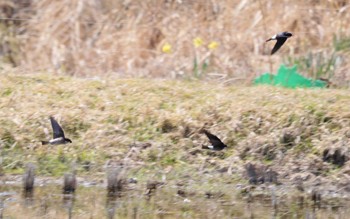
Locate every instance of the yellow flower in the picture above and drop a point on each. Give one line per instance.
(197, 42)
(166, 48)
(213, 45)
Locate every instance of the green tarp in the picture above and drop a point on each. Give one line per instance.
(288, 77)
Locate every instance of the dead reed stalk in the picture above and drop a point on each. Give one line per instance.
(115, 180)
(69, 183)
(125, 38)
(28, 178)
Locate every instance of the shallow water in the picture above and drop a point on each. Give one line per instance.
(92, 202)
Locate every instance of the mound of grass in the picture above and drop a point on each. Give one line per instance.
(153, 125)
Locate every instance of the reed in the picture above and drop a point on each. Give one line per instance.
(127, 38)
(115, 180)
(69, 183)
(29, 178)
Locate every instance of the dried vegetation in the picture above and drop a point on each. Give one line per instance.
(152, 127)
(125, 38)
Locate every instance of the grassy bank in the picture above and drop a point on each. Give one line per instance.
(153, 126)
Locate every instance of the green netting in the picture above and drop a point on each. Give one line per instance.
(288, 77)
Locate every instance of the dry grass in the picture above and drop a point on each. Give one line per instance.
(124, 38)
(104, 118)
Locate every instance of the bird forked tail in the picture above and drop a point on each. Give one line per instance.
(205, 147)
(44, 142)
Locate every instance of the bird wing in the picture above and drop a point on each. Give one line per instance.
(279, 43)
(57, 130)
(214, 140)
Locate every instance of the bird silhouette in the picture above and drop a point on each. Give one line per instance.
(216, 143)
(58, 134)
(281, 39)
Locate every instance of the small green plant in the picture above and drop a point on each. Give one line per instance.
(341, 43)
(322, 63)
(201, 62)
(51, 165)
(152, 155)
(6, 92)
(315, 64)
(198, 71)
(8, 139)
(169, 159)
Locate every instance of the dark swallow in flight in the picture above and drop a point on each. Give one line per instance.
(216, 143)
(281, 38)
(58, 134)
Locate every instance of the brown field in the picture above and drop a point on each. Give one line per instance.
(125, 38)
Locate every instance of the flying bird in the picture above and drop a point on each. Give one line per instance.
(281, 38)
(216, 143)
(58, 134)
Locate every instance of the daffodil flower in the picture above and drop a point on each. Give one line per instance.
(166, 48)
(213, 45)
(197, 42)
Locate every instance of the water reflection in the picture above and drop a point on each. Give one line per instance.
(94, 202)
(68, 203)
(1, 207)
(111, 206)
(28, 197)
